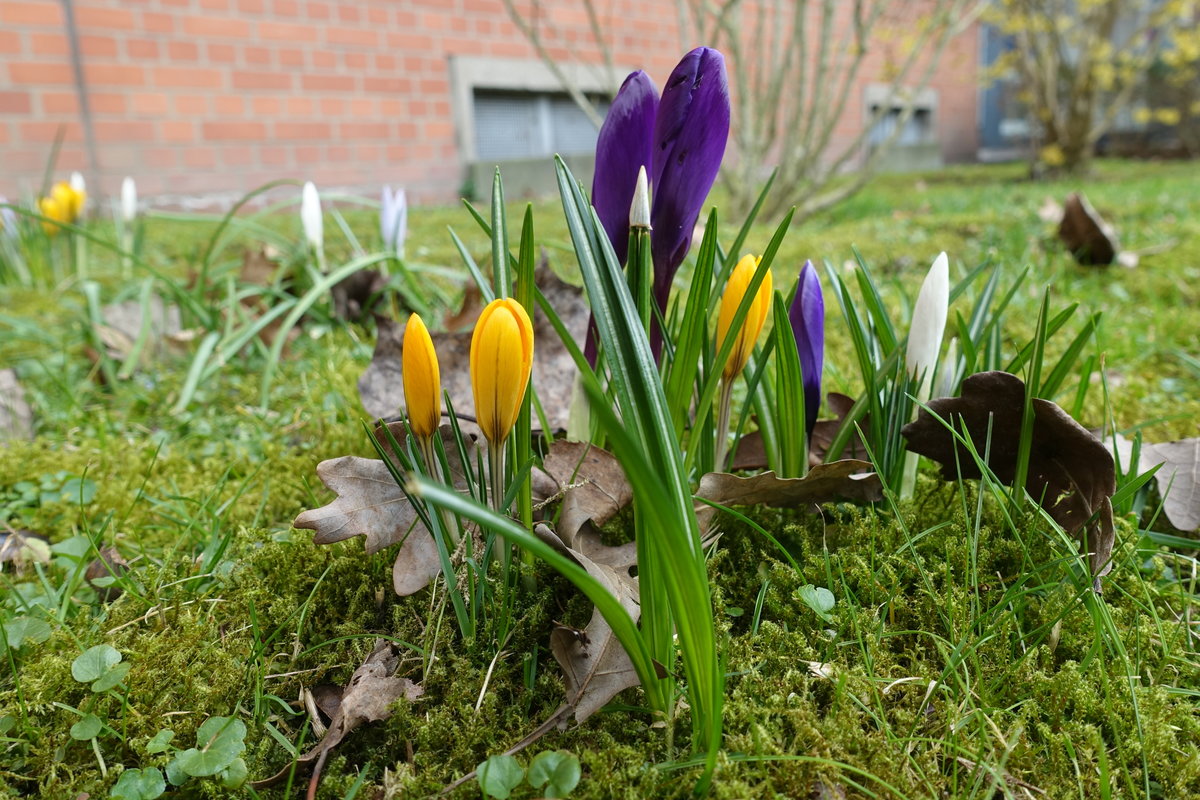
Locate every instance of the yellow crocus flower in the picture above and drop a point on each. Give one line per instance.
(422, 380)
(756, 316)
(501, 361)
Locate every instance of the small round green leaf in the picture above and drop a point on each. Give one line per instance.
(235, 774)
(160, 741)
(499, 775)
(87, 728)
(26, 629)
(94, 662)
(139, 784)
(558, 770)
(819, 599)
(111, 678)
(219, 740)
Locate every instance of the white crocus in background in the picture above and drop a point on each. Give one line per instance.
(924, 345)
(78, 183)
(393, 219)
(8, 219)
(129, 200)
(310, 216)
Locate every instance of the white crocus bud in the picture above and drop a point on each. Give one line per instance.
(129, 200)
(310, 216)
(639, 211)
(78, 183)
(928, 325)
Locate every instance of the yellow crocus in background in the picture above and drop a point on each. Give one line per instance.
(422, 379)
(756, 316)
(501, 362)
(63, 205)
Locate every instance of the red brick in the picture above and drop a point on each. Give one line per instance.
(141, 48)
(26, 72)
(114, 75)
(5, 136)
(348, 13)
(290, 57)
(15, 103)
(105, 46)
(59, 103)
(260, 56)
(362, 107)
(364, 130)
(108, 103)
(201, 157)
(302, 130)
(355, 60)
(286, 8)
(159, 157)
(308, 155)
(323, 59)
(300, 106)
(385, 62)
(222, 53)
(105, 18)
(191, 104)
(24, 13)
(183, 51)
(266, 106)
(150, 103)
(10, 43)
(154, 22)
(377, 15)
(123, 131)
(237, 156)
(262, 80)
(332, 106)
(319, 11)
(214, 5)
(241, 130)
(216, 27)
(178, 131)
(49, 44)
(355, 37)
(186, 76)
(387, 85)
(272, 155)
(327, 83)
(287, 32)
(46, 132)
(229, 105)
(337, 152)
(251, 6)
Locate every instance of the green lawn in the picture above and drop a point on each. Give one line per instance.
(963, 657)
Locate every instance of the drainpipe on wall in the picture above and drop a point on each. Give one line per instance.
(85, 108)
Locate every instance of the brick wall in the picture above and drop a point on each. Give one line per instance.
(204, 97)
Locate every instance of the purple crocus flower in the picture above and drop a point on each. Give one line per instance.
(681, 140)
(393, 219)
(807, 316)
(624, 146)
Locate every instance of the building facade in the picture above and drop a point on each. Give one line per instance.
(202, 100)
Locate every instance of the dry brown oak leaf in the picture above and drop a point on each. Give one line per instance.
(847, 479)
(371, 504)
(368, 697)
(1071, 474)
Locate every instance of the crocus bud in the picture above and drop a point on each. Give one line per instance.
(129, 201)
(807, 316)
(501, 361)
(422, 380)
(393, 219)
(756, 316)
(639, 210)
(310, 216)
(78, 189)
(928, 325)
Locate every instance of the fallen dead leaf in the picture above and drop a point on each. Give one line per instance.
(21, 548)
(1178, 479)
(369, 503)
(16, 417)
(368, 697)
(110, 564)
(848, 479)
(356, 295)
(592, 484)
(1090, 239)
(826, 430)
(1070, 472)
